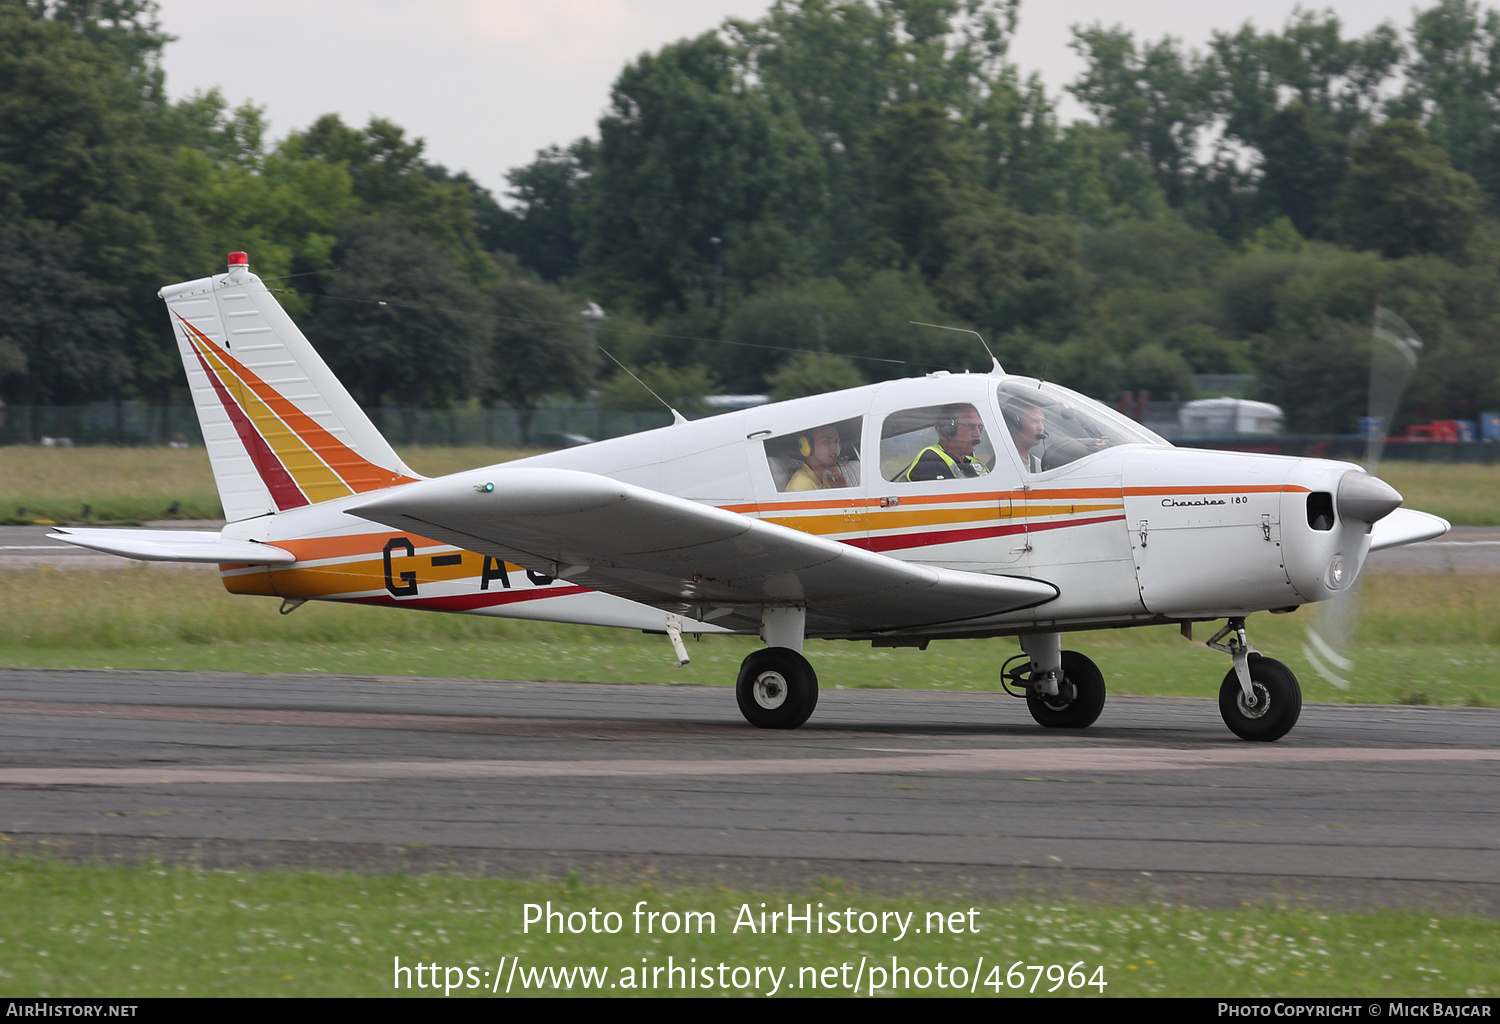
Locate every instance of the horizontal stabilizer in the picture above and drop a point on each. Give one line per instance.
(1406, 526)
(687, 557)
(175, 546)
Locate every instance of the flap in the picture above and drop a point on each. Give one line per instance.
(685, 557)
(175, 546)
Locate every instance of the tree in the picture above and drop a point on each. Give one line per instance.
(536, 349)
(1153, 95)
(389, 176)
(810, 373)
(1403, 196)
(1297, 97)
(1453, 86)
(1012, 271)
(60, 341)
(690, 157)
(924, 175)
(682, 388)
(544, 230)
(400, 322)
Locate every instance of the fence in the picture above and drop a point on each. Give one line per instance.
(135, 423)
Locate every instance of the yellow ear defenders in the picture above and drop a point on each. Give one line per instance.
(804, 445)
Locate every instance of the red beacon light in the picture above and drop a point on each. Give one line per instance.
(238, 259)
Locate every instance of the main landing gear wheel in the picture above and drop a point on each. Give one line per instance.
(1278, 701)
(1080, 696)
(777, 688)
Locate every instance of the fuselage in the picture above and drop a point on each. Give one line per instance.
(1129, 529)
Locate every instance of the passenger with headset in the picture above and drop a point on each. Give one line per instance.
(959, 430)
(1027, 429)
(821, 464)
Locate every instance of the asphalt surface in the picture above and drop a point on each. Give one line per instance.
(888, 790)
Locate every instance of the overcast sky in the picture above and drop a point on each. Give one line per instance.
(489, 82)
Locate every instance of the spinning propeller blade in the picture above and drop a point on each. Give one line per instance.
(1393, 357)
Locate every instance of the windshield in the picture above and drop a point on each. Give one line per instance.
(1051, 426)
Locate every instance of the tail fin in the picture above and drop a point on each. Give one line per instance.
(281, 430)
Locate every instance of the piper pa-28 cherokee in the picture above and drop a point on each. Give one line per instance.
(947, 506)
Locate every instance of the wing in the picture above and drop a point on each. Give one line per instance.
(175, 546)
(685, 557)
(1406, 526)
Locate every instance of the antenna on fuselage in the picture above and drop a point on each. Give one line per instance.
(677, 417)
(964, 330)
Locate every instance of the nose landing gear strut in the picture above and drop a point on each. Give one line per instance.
(1260, 698)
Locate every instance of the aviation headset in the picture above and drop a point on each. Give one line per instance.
(804, 445)
(947, 421)
(1012, 412)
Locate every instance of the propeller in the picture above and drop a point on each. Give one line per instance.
(1393, 356)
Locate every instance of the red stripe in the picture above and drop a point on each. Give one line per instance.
(469, 602)
(918, 540)
(284, 490)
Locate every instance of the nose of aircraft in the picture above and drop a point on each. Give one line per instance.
(1366, 498)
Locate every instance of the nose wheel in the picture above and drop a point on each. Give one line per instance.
(1271, 708)
(777, 688)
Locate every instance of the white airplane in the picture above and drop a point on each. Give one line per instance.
(946, 506)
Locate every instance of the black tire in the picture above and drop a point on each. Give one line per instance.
(1278, 704)
(777, 688)
(1080, 697)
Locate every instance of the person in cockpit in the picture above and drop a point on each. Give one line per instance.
(959, 430)
(1027, 430)
(820, 450)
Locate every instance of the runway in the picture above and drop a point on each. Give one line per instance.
(890, 790)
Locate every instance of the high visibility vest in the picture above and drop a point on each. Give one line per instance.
(973, 466)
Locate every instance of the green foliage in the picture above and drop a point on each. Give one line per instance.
(682, 389)
(1010, 271)
(1162, 372)
(537, 348)
(812, 373)
(545, 228)
(807, 182)
(1403, 196)
(689, 159)
(400, 321)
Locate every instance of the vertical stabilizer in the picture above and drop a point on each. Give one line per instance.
(281, 430)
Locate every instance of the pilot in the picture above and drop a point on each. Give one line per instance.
(820, 469)
(1027, 430)
(959, 429)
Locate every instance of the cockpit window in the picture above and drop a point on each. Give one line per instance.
(935, 442)
(818, 458)
(1051, 426)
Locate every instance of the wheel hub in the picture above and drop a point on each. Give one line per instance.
(1262, 701)
(770, 690)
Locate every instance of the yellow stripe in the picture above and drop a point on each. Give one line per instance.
(361, 576)
(308, 471)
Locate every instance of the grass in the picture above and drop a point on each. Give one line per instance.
(1463, 494)
(151, 931)
(138, 484)
(1423, 639)
(52, 485)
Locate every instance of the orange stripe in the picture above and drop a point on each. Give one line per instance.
(1225, 489)
(315, 479)
(359, 473)
(363, 576)
(368, 544)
